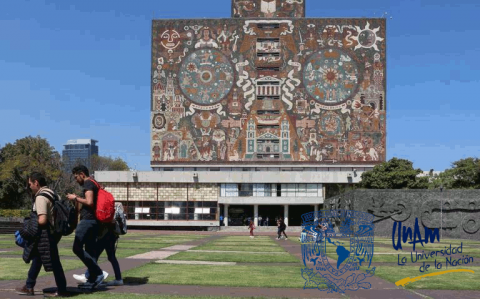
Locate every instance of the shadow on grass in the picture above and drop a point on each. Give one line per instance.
(133, 281)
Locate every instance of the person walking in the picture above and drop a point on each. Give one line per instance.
(281, 229)
(107, 241)
(251, 227)
(88, 228)
(43, 251)
(266, 221)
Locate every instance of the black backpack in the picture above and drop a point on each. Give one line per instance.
(64, 215)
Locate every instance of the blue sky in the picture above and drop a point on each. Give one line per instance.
(81, 69)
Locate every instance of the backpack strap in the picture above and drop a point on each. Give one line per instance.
(96, 183)
(49, 196)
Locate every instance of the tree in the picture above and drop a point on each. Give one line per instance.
(21, 158)
(464, 174)
(99, 163)
(394, 174)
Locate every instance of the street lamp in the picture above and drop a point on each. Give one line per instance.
(441, 210)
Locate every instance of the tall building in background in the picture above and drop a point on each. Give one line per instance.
(79, 151)
(254, 115)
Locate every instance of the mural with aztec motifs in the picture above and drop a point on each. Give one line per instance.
(268, 90)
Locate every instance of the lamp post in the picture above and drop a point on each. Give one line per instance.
(441, 210)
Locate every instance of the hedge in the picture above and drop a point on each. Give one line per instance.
(14, 213)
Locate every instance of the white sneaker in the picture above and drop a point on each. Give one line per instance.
(286, 238)
(80, 278)
(115, 283)
(83, 279)
(277, 238)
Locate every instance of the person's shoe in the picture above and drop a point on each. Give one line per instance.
(98, 281)
(80, 278)
(286, 238)
(25, 291)
(115, 283)
(277, 238)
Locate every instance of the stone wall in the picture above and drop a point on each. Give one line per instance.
(457, 212)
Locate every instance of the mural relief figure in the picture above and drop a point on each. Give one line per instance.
(206, 39)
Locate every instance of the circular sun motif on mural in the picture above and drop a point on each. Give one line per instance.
(206, 76)
(331, 76)
(158, 121)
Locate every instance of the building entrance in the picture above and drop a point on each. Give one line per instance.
(238, 215)
(295, 213)
(272, 212)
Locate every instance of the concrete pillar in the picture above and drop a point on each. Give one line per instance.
(285, 216)
(315, 209)
(255, 215)
(195, 215)
(225, 215)
(137, 205)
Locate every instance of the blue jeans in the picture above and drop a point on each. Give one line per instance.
(56, 265)
(86, 235)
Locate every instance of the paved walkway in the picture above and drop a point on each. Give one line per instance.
(380, 288)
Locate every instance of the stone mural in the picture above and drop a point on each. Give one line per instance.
(456, 212)
(268, 8)
(268, 90)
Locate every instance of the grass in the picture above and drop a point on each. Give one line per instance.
(105, 295)
(15, 268)
(231, 276)
(121, 253)
(449, 281)
(242, 244)
(234, 257)
(240, 248)
(150, 246)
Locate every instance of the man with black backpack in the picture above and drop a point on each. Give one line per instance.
(41, 240)
(88, 227)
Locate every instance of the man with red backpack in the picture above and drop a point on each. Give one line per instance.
(88, 228)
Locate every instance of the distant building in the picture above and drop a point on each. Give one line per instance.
(79, 150)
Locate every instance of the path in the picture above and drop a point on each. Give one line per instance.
(380, 288)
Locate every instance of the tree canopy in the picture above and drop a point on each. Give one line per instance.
(394, 174)
(99, 163)
(29, 154)
(21, 158)
(464, 174)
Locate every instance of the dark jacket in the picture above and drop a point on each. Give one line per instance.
(39, 241)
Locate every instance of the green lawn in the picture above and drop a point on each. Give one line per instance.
(234, 257)
(232, 276)
(15, 268)
(449, 281)
(240, 248)
(150, 246)
(105, 295)
(243, 244)
(121, 252)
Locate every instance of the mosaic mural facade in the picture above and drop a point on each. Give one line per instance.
(268, 90)
(268, 8)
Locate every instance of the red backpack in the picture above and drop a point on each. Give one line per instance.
(105, 210)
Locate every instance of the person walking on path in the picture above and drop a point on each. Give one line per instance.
(43, 251)
(87, 229)
(266, 221)
(251, 227)
(107, 241)
(281, 229)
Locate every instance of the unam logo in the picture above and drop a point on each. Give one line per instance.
(344, 235)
